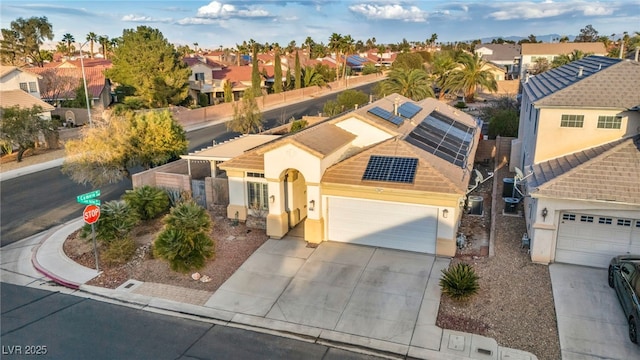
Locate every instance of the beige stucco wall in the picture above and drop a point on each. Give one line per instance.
(543, 232)
(554, 141)
(12, 81)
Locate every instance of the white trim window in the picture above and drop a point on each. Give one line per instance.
(574, 121)
(609, 122)
(258, 196)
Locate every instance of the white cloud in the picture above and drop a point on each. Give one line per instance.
(547, 9)
(196, 21)
(218, 10)
(390, 12)
(144, 19)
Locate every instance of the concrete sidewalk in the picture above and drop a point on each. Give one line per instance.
(365, 299)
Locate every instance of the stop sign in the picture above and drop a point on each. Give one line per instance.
(91, 214)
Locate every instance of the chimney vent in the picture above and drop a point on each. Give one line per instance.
(395, 106)
(580, 70)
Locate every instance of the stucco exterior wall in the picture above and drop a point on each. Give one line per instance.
(12, 81)
(367, 134)
(554, 141)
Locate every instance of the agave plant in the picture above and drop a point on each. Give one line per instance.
(459, 281)
(117, 219)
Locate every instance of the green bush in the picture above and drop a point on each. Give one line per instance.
(459, 281)
(119, 251)
(460, 105)
(298, 125)
(116, 221)
(147, 201)
(176, 196)
(184, 242)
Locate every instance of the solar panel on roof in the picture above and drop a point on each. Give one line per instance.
(386, 115)
(392, 169)
(444, 137)
(409, 110)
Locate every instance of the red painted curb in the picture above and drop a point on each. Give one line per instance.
(45, 272)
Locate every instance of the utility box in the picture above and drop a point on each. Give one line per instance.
(475, 205)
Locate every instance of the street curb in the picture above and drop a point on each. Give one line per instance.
(48, 274)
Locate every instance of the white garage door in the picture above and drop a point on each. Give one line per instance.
(592, 240)
(383, 224)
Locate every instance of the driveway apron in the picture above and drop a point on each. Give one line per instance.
(360, 290)
(591, 323)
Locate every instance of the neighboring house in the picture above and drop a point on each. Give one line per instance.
(12, 77)
(9, 98)
(60, 83)
(578, 150)
(394, 174)
(240, 79)
(201, 80)
(530, 52)
(505, 55)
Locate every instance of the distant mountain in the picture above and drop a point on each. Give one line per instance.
(544, 38)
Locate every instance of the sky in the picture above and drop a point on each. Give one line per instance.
(212, 24)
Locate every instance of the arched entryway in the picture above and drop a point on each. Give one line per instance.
(288, 203)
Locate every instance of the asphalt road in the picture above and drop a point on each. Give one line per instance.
(36, 202)
(39, 324)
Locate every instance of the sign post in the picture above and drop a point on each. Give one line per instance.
(91, 214)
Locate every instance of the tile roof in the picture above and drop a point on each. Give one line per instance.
(9, 98)
(5, 70)
(231, 148)
(52, 78)
(501, 52)
(601, 78)
(596, 48)
(608, 172)
(427, 178)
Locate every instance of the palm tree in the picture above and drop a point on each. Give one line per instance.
(440, 68)
(68, 39)
(312, 77)
(411, 83)
(567, 58)
(308, 42)
(103, 40)
(335, 45)
(470, 76)
(91, 38)
(348, 47)
(433, 39)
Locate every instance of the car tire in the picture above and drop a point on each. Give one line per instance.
(633, 330)
(610, 277)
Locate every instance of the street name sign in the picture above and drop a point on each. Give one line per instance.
(89, 198)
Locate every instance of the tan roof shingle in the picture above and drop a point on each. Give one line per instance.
(609, 172)
(9, 98)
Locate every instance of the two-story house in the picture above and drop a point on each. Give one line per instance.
(12, 78)
(578, 156)
(202, 81)
(530, 52)
(505, 55)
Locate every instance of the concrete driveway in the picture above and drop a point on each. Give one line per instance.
(362, 291)
(591, 323)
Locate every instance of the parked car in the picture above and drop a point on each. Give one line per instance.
(624, 277)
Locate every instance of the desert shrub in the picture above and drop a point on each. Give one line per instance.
(298, 125)
(176, 196)
(184, 242)
(119, 251)
(147, 201)
(459, 281)
(460, 105)
(116, 221)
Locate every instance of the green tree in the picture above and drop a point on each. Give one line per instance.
(80, 99)
(103, 40)
(335, 46)
(502, 117)
(348, 47)
(297, 73)
(156, 138)
(470, 76)
(22, 40)
(411, 83)
(564, 59)
(91, 38)
(277, 71)
(587, 34)
(185, 242)
(107, 150)
(256, 81)
(68, 40)
(22, 126)
(146, 61)
(346, 100)
(247, 117)
(228, 91)
(312, 77)
(408, 61)
(147, 201)
(298, 125)
(370, 68)
(539, 66)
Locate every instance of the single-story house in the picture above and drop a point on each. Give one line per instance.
(394, 173)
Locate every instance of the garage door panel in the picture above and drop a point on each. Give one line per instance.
(383, 224)
(594, 243)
